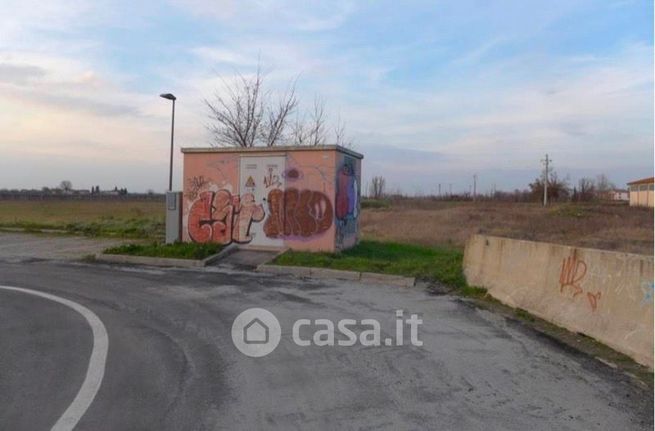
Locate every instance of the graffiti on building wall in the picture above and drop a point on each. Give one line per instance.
(195, 185)
(294, 212)
(647, 288)
(347, 203)
(272, 179)
(292, 174)
(280, 198)
(571, 277)
(223, 218)
(219, 216)
(347, 191)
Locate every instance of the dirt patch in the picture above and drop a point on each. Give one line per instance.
(596, 225)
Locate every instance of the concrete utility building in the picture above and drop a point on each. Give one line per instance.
(303, 198)
(641, 192)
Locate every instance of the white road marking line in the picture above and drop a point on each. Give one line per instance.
(96, 370)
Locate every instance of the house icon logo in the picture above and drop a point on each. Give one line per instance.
(256, 332)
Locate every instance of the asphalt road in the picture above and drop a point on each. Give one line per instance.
(20, 246)
(171, 363)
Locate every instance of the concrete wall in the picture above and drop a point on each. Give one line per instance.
(303, 198)
(605, 295)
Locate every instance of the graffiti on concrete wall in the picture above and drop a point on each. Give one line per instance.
(272, 179)
(294, 212)
(571, 277)
(223, 218)
(195, 185)
(347, 203)
(292, 174)
(647, 288)
(265, 200)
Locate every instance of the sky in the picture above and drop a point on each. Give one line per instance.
(431, 92)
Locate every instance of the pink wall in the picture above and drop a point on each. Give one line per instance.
(310, 203)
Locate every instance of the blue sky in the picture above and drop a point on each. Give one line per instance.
(431, 92)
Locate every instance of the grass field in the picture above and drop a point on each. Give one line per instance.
(125, 219)
(415, 221)
(438, 223)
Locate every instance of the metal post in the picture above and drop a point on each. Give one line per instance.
(170, 171)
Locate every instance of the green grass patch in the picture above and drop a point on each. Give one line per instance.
(178, 250)
(572, 211)
(473, 292)
(428, 263)
(524, 315)
(375, 203)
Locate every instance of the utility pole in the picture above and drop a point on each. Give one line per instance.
(172, 98)
(475, 185)
(546, 163)
(439, 189)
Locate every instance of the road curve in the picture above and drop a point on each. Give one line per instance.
(172, 364)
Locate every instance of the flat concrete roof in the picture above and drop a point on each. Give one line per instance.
(275, 149)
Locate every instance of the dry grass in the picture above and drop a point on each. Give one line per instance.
(133, 219)
(57, 212)
(604, 226)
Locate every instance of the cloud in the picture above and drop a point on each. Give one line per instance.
(431, 92)
(309, 16)
(19, 74)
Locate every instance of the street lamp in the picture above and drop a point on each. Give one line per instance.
(169, 96)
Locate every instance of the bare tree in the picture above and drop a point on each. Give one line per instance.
(66, 186)
(586, 189)
(310, 131)
(377, 187)
(276, 116)
(604, 186)
(317, 134)
(558, 189)
(299, 132)
(244, 116)
(340, 137)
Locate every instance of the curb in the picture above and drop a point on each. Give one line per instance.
(364, 277)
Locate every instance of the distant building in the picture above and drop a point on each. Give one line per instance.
(617, 195)
(641, 192)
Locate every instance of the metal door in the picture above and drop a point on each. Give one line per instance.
(258, 176)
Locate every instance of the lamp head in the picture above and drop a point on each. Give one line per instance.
(168, 96)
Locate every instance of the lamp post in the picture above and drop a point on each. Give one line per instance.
(172, 98)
